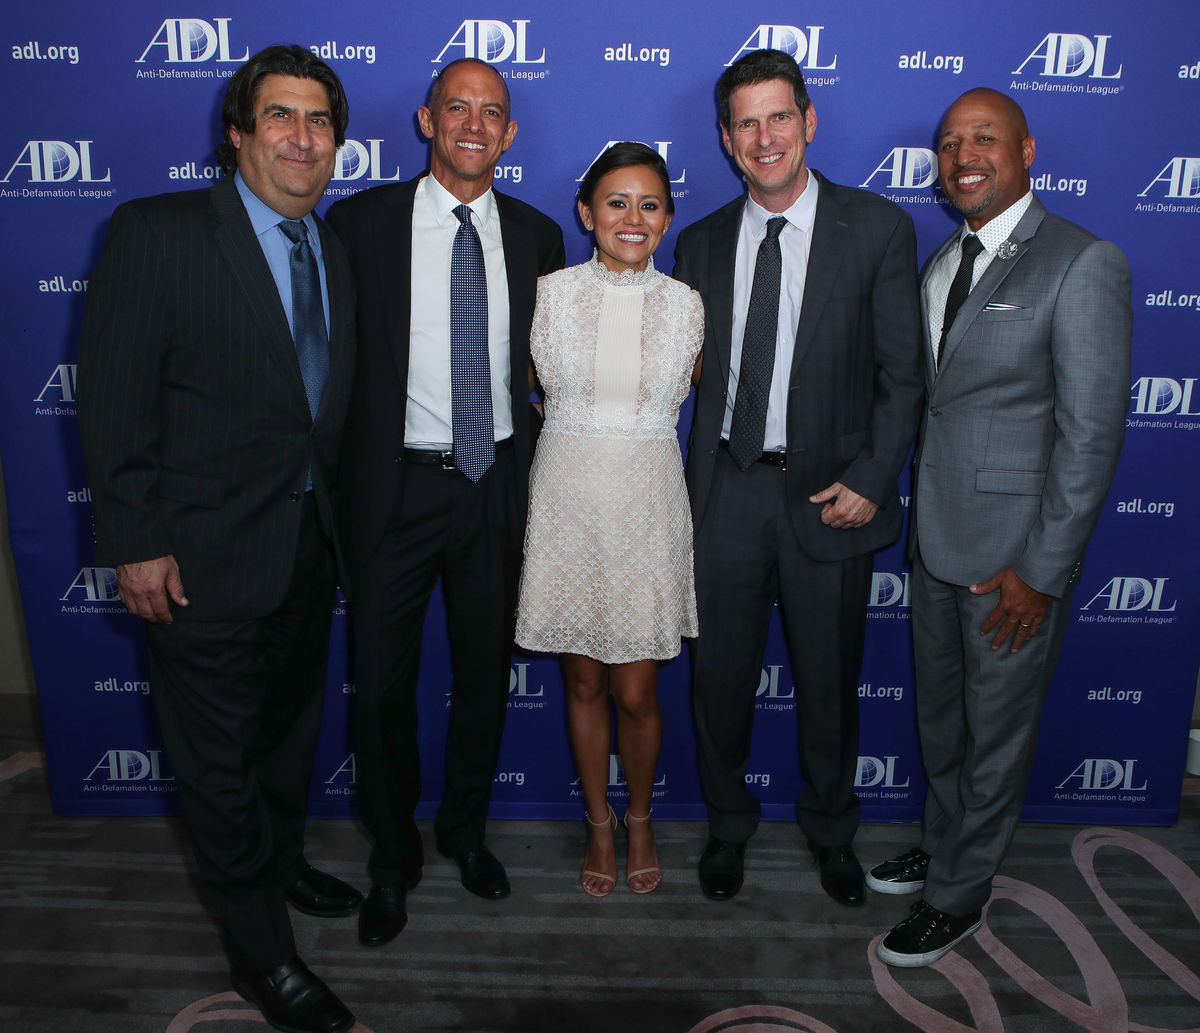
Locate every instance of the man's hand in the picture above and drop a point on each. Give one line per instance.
(148, 588)
(844, 508)
(1019, 612)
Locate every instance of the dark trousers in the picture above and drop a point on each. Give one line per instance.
(239, 705)
(469, 536)
(747, 557)
(978, 711)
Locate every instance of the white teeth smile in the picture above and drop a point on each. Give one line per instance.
(631, 238)
(969, 180)
(470, 146)
(768, 159)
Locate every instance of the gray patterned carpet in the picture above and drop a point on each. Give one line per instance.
(1092, 929)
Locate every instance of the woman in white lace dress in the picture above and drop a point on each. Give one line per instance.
(607, 579)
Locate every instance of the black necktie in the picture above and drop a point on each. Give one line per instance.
(960, 288)
(470, 370)
(758, 351)
(308, 314)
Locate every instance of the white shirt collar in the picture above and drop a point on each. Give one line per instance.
(996, 231)
(801, 214)
(444, 203)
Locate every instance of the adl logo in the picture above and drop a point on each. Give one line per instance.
(1067, 55)
(192, 40)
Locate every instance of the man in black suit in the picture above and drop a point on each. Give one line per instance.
(215, 367)
(438, 474)
(805, 411)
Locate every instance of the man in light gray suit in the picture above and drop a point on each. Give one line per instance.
(1027, 378)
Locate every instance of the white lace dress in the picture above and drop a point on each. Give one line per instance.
(608, 550)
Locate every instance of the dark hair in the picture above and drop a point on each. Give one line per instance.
(237, 110)
(761, 66)
(624, 156)
(435, 91)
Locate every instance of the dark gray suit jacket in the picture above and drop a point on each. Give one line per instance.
(855, 385)
(196, 429)
(1026, 416)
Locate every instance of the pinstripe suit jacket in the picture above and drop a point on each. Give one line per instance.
(855, 385)
(196, 429)
(1026, 416)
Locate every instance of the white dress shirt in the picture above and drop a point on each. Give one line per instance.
(991, 235)
(428, 421)
(794, 244)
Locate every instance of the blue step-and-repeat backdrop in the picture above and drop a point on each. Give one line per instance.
(108, 102)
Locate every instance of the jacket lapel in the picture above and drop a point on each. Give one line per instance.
(989, 282)
(341, 311)
(722, 255)
(241, 251)
(393, 255)
(830, 233)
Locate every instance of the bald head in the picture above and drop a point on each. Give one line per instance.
(1000, 101)
(984, 155)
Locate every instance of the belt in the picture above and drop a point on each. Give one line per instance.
(776, 459)
(443, 459)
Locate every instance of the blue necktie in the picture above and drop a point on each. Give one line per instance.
(308, 314)
(758, 351)
(470, 371)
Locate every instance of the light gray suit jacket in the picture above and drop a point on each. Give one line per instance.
(1024, 421)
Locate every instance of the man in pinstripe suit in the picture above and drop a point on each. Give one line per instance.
(211, 403)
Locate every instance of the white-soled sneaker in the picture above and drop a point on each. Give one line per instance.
(926, 935)
(903, 874)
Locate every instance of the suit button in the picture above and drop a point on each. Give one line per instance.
(294, 497)
(934, 412)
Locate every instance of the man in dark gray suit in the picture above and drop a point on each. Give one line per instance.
(805, 412)
(215, 367)
(1028, 326)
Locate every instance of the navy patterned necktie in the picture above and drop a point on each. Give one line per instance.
(960, 288)
(758, 351)
(308, 314)
(470, 371)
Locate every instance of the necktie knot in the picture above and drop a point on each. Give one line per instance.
(294, 230)
(775, 227)
(971, 245)
(463, 211)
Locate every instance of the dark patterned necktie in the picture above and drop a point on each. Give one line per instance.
(308, 314)
(960, 288)
(470, 371)
(758, 351)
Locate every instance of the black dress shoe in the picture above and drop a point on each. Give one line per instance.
(319, 894)
(721, 868)
(482, 874)
(841, 874)
(292, 999)
(382, 916)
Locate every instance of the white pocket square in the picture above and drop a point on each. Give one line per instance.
(1001, 306)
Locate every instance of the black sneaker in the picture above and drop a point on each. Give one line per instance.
(903, 874)
(926, 935)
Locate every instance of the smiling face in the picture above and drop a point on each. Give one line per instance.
(767, 137)
(469, 126)
(288, 159)
(984, 155)
(629, 216)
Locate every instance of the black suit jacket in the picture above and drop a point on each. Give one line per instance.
(196, 429)
(376, 227)
(856, 376)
